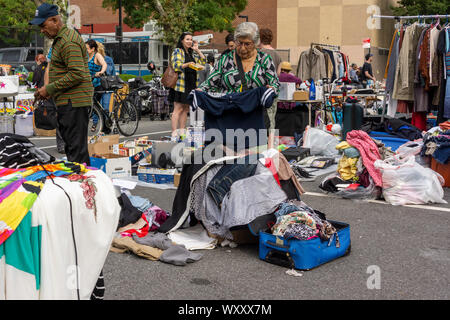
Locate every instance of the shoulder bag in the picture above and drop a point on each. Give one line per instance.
(244, 85)
(45, 115)
(170, 77)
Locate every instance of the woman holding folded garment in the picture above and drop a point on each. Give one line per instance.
(182, 61)
(258, 68)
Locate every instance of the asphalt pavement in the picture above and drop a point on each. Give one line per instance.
(397, 253)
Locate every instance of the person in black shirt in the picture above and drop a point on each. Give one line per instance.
(366, 71)
(39, 71)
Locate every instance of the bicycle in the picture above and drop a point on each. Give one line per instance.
(123, 117)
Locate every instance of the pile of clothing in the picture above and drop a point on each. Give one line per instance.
(356, 176)
(138, 233)
(436, 143)
(296, 220)
(233, 191)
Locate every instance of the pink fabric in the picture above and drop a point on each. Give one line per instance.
(369, 153)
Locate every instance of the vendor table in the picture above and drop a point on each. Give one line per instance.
(367, 97)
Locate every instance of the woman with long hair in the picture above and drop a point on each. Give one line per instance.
(182, 60)
(97, 67)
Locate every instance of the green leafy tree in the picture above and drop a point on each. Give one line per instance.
(173, 17)
(422, 7)
(14, 17)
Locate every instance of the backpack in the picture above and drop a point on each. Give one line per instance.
(110, 70)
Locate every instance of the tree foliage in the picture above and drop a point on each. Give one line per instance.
(174, 17)
(14, 17)
(422, 7)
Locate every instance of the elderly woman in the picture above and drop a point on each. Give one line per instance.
(258, 67)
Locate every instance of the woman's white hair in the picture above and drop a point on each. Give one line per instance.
(248, 30)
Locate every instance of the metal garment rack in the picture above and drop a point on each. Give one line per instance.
(436, 16)
(331, 46)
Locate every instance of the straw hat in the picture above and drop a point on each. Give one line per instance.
(285, 65)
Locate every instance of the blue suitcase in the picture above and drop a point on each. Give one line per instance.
(305, 254)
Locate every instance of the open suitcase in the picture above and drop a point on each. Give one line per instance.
(305, 254)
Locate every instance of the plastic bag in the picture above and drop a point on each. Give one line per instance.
(407, 182)
(413, 148)
(320, 142)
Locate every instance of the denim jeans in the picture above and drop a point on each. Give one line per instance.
(219, 186)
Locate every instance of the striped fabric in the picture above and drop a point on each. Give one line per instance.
(226, 78)
(19, 189)
(69, 73)
(177, 60)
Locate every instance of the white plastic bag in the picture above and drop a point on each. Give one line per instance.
(320, 142)
(9, 86)
(413, 148)
(407, 182)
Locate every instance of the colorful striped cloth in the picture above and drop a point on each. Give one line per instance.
(19, 189)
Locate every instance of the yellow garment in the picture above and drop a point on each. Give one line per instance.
(347, 168)
(343, 145)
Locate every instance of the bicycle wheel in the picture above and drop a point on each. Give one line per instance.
(96, 121)
(127, 117)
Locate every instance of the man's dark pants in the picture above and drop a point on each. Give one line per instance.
(73, 125)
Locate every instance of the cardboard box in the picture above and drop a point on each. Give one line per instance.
(156, 175)
(115, 166)
(176, 179)
(104, 145)
(287, 90)
(301, 95)
(443, 170)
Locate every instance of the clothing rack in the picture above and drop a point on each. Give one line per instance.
(412, 17)
(331, 46)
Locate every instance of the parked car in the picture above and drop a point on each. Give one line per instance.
(20, 56)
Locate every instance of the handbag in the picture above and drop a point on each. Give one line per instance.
(107, 82)
(45, 115)
(170, 77)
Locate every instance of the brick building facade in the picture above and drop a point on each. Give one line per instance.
(102, 20)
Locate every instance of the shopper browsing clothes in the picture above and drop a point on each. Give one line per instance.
(258, 72)
(354, 73)
(69, 84)
(287, 76)
(183, 61)
(266, 37)
(258, 66)
(366, 71)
